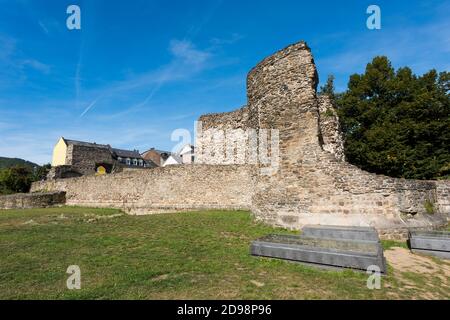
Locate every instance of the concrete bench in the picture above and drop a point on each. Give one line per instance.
(341, 232)
(436, 243)
(325, 252)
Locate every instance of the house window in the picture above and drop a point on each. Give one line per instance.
(135, 162)
(119, 159)
(141, 163)
(192, 159)
(128, 161)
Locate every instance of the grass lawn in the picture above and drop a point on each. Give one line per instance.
(197, 255)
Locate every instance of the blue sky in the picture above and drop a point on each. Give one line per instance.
(139, 69)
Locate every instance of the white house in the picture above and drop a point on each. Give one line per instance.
(187, 154)
(184, 156)
(173, 159)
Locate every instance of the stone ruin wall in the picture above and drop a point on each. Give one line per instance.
(187, 187)
(219, 137)
(32, 200)
(443, 196)
(330, 135)
(312, 184)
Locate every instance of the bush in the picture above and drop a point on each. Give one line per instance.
(40, 173)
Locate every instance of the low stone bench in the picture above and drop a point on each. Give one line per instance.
(436, 243)
(341, 232)
(355, 254)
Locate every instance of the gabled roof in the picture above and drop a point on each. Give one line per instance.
(187, 148)
(126, 153)
(86, 144)
(157, 151)
(115, 152)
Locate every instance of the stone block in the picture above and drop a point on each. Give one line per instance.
(341, 232)
(324, 252)
(435, 243)
(439, 254)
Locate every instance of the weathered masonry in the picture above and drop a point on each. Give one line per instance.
(32, 200)
(161, 189)
(312, 183)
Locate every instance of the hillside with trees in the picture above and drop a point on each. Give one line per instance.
(12, 162)
(16, 175)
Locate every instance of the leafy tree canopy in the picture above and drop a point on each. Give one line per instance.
(395, 122)
(19, 178)
(328, 87)
(15, 179)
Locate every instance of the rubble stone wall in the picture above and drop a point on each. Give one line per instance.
(160, 189)
(32, 200)
(331, 137)
(83, 159)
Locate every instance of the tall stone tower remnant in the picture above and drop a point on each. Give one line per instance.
(313, 183)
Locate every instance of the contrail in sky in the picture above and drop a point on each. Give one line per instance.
(89, 107)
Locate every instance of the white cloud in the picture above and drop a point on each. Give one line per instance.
(185, 51)
(13, 64)
(7, 48)
(187, 61)
(235, 37)
(37, 65)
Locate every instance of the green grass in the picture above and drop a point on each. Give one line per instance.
(196, 255)
(387, 244)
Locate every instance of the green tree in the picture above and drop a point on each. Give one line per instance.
(15, 179)
(328, 87)
(40, 173)
(397, 123)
